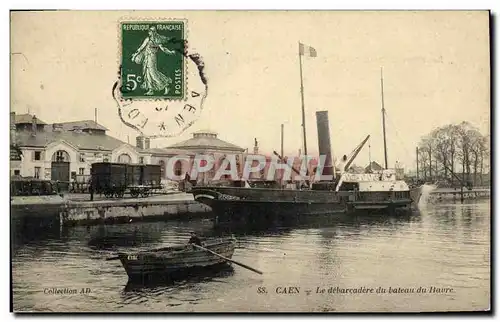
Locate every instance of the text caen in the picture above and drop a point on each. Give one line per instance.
(287, 290)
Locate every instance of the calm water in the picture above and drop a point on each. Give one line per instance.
(443, 246)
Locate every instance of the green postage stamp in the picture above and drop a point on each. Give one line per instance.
(153, 59)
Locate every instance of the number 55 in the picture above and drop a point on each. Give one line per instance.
(134, 79)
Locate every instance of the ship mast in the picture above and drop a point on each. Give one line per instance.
(303, 109)
(383, 116)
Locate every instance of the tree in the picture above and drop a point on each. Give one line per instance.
(469, 138)
(423, 158)
(441, 148)
(448, 145)
(475, 151)
(451, 131)
(445, 143)
(427, 146)
(483, 152)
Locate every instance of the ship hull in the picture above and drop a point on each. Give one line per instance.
(379, 206)
(248, 212)
(246, 206)
(415, 195)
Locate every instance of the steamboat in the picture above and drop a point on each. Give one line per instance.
(246, 202)
(262, 202)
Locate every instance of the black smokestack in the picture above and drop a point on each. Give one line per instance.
(324, 140)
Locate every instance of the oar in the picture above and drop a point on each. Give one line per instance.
(229, 260)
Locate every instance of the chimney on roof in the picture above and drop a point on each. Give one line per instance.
(143, 142)
(140, 142)
(33, 125)
(256, 147)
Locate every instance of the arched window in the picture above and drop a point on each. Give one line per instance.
(60, 156)
(162, 168)
(178, 168)
(124, 158)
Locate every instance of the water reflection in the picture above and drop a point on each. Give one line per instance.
(29, 235)
(139, 291)
(204, 275)
(442, 245)
(111, 237)
(353, 222)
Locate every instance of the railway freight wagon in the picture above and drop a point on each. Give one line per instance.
(115, 179)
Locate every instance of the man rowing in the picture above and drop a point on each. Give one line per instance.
(194, 239)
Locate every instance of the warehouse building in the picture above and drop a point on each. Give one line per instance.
(62, 151)
(66, 151)
(202, 142)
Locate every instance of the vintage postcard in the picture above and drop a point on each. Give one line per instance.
(250, 161)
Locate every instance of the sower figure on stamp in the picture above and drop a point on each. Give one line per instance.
(154, 80)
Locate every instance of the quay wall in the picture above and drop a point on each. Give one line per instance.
(447, 194)
(77, 211)
(88, 213)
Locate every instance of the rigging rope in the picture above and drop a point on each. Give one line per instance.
(397, 135)
(370, 152)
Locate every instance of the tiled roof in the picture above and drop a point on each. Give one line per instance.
(167, 151)
(87, 124)
(205, 142)
(68, 126)
(27, 118)
(82, 140)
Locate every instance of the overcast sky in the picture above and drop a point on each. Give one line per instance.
(436, 72)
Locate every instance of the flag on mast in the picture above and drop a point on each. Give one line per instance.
(305, 50)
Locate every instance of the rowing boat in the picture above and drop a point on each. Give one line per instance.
(176, 259)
